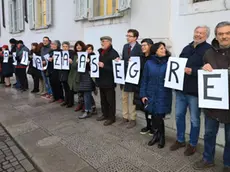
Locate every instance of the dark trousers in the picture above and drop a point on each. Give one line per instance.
(148, 121)
(36, 83)
(69, 95)
(56, 86)
(108, 102)
(22, 76)
(211, 130)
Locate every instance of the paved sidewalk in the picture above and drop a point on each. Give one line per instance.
(11, 157)
(57, 141)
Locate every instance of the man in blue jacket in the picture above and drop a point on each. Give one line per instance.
(188, 98)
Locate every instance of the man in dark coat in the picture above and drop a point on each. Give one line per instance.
(218, 57)
(132, 48)
(106, 81)
(194, 53)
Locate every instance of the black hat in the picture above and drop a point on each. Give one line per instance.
(20, 42)
(13, 41)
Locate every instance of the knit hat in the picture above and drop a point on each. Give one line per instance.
(57, 42)
(13, 41)
(106, 38)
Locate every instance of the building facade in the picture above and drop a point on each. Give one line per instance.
(170, 21)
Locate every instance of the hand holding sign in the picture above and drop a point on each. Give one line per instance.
(101, 64)
(207, 67)
(188, 71)
(70, 61)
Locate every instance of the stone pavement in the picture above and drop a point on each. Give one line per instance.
(11, 157)
(57, 141)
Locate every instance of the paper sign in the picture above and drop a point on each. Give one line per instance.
(65, 60)
(133, 71)
(57, 60)
(25, 58)
(6, 56)
(213, 89)
(14, 59)
(38, 62)
(118, 72)
(175, 73)
(94, 60)
(82, 59)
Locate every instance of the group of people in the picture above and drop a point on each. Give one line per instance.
(149, 95)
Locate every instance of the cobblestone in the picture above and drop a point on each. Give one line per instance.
(11, 157)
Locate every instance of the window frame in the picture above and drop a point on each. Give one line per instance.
(188, 7)
(3, 14)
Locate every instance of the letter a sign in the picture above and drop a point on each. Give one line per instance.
(213, 89)
(82, 59)
(175, 73)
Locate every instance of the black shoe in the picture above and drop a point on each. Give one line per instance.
(162, 135)
(34, 91)
(69, 106)
(145, 130)
(155, 138)
(101, 118)
(63, 104)
(109, 122)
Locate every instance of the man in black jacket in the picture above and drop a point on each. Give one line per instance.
(106, 81)
(132, 48)
(188, 98)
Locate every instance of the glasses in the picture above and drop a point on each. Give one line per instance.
(129, 36)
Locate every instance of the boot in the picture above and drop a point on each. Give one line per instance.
(41, 86)
(155, 138)
(162, 134)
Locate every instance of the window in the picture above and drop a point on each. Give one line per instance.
(188, 7)
(16, 16)
(40, 13)
(100, 9)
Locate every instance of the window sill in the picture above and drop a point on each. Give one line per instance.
(40, 28)
(79, 19)
(106, 17)
(16, 32)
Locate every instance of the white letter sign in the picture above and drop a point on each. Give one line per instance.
(25, 58)
(133, 71)
(38, 62)
(14, 58)
(6, 56)
(118, 72)
(213, 89)
(82, 59)
(175, 73)
(94, 60)
(65, 60)
(57, 60)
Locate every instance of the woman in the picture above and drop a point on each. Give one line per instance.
(89, 50)
(34, 72)
(63, 76)
(156, 98)
(42, 85)
(74, 76)
(7, 68)
(53, 74)
(146, 45)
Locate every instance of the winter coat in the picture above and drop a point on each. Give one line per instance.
(7, 68)
(63, 74)
(19, 54)
(219, 59)
(106, 79)
(86, 82)
(32, 70)
(152, 86)
(136, 51)
(74, 76)
(137, 99)
(195, 61)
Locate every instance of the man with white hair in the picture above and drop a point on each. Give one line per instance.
(188, 98)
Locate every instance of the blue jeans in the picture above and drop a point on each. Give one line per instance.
(88, 101)
(211, 130)
(183, 102)
(47, 83)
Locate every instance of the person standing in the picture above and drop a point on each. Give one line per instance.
(156, 97)
(105, 82)
(13, 44)
(188, 98)
(218, 57)
(132, 48)
(21, 69)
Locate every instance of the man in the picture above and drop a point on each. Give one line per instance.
(13, 44)
(218, 57)
(106, 81)
(44, 51)
(21, 69)
(188, 98)
(132, 48)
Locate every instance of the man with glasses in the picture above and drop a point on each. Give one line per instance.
(132, 48)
